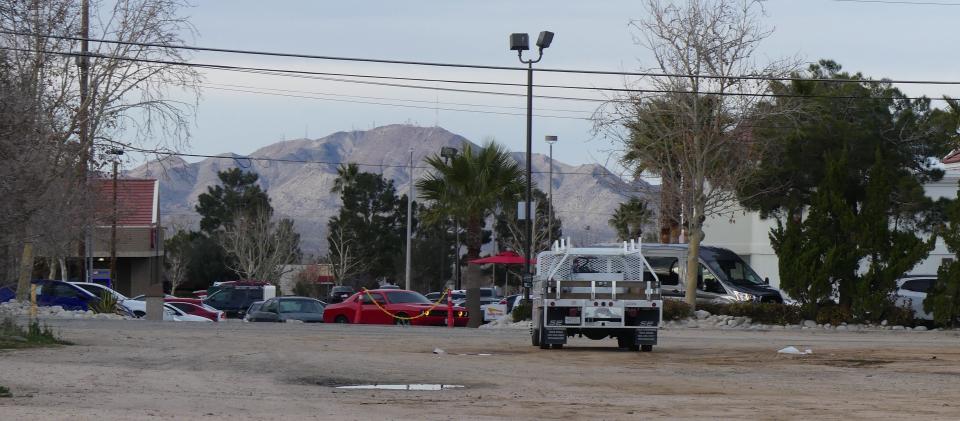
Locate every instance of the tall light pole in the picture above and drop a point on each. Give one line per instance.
(550, 140)
(520, 42)
(448, 153)
(409, 219)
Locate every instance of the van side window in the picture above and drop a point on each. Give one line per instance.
(667, 269)
(706, 281)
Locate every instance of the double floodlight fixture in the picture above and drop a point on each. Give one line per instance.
(448, 152)
(520, 42)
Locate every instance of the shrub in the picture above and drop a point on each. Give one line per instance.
(943, 300)
(521, 312)
(902, 316)
(766, 313)
(305, 288)
(13, 335)
(107, 304)
(676, 310)
(833, 314)
(5, 393)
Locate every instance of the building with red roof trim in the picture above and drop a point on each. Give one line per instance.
(139, 234)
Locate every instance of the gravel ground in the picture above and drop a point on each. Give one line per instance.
(151, 370)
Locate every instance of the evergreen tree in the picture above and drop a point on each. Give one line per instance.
(237, 192)
(943, 299)
(370, 228)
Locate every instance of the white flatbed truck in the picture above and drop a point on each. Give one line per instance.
(597, 292)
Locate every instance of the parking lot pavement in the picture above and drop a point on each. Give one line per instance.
(137, 369)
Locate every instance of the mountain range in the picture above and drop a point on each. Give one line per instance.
(584, 195)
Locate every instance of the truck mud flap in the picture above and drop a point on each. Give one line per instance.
(555, 336)
(645, 337)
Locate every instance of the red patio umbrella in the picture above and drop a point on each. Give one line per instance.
(508, 257)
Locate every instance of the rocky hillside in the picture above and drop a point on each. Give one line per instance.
(585, 195)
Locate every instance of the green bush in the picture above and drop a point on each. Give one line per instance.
(5, 393)
(676, 310)
(902, 316)
(833, 314)
(107, 304)
(12, 335)
(521, 312)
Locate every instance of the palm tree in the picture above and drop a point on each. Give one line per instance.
(630, 218)
(468, 188)
(346, 175)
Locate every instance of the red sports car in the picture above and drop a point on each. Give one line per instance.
(392, 306)
(196, 310)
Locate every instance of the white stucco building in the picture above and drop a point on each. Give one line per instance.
(749, 236)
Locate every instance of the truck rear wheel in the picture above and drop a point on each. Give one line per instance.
(626, 342)
(646, 348)
(535, 337)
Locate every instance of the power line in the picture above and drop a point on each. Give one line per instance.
(918, 3)
(422, 107)
(419, 101)
(303, 73)
(476, 66)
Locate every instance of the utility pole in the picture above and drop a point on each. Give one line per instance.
(83, 116)
(409, 219)
(113, 226)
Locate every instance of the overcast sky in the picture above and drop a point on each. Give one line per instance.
(899, 41)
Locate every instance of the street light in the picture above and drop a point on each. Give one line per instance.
(550, 140)
(520, 43)
(448, 153)
(409, 220)
(113, 226)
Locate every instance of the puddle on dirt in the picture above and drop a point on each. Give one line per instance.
(415, 386)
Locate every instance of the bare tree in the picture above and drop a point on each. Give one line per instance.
(691, 126)
(130, 87)
(343, 255)
(261, 247)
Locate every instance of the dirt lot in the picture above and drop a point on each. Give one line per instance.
(139, 370)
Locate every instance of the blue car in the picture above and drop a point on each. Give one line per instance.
(63, 294)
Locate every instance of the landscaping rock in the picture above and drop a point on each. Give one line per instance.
(920, 328)
(701, 314)
(898, 327)
(809, 323)
(883, 323)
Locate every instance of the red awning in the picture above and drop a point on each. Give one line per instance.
(504, 258)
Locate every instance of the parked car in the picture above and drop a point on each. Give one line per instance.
(511, 301)
(202, 311)
(63, 294)
(138, 304)
(375, 305)
(911, 291)
(235, 299)
(433, 296)
(340, 293)
(131, 306)
(171, 313)
(281, 309)
(254, 306)
(389, 286)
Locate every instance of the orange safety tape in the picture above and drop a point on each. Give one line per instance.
(422, 314)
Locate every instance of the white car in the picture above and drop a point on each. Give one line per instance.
(171, 313)
(911, 291)
(134, 307)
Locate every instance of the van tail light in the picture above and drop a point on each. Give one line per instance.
(573, 312)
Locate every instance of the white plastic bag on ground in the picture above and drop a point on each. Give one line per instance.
(790, 350)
